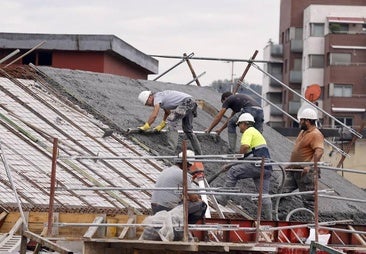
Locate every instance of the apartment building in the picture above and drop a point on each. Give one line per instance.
(323, 44)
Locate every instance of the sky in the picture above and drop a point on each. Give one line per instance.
(230, 29)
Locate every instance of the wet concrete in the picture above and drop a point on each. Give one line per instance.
(113, 99)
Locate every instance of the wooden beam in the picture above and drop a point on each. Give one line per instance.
(46, 243)
(92, 230)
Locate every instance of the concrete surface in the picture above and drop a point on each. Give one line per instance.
(114, 100)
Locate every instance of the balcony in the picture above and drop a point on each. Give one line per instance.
(277, 50)
(295, 76)
(293, 107)
(296, 46)
(273, 82)
(275, 111)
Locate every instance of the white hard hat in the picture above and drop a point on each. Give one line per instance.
(307, 113)
(143, 96)
(245, 117)
(189, 153)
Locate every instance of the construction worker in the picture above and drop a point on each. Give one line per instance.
(252, 143)
(238, 103)
(177, 106)
(172, 177)
(309, 147)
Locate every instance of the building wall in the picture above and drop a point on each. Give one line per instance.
(296, 15)
(89, 61)
(114, 66)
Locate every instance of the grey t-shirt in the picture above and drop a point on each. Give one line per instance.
(170, 99)
(169, 177)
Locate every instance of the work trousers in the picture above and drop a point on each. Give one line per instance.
(257, 113)
(303, 182)
(248, 170)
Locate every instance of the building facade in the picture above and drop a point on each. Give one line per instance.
(321, 43)
(96, 53)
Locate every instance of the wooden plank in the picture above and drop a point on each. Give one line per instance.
(46, 243)
(125, 229)
(357, 236)
(92, 230)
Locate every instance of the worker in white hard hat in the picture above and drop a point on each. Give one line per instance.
(177, 106)
(309, 147)
(172, 177)
(238, 103)
(252, 143)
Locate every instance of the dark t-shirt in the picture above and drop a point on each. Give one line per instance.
(238, 101)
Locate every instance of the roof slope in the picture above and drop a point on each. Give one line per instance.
(49, 106)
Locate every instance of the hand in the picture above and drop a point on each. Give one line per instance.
(305, 170)
(160, 126)
(145, 127)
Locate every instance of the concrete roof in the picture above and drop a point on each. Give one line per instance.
(80, 42)
(77, 106)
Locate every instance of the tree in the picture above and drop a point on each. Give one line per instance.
(222, 86)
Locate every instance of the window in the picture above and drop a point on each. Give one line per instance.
(45, 58)
(342, 90)
(298, 33)
(338, 27)
(317, 29)
(345, 120)
(339, 58)
(316, 61)
(298, 64)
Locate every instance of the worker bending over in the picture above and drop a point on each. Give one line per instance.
(238, 103)
(177, 106)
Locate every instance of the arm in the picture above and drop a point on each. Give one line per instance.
(244, 149)
(318, 153)
(166, 114)
(154, 114)
(216, 120)
(225, 124)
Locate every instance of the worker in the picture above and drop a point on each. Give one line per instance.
(308, 147)
(238, 103)
(177, 106)
(252, 144)
(168, 199)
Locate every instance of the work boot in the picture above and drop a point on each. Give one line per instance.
(195, 143)
(267, 211)
(172, 136)
(232, 142)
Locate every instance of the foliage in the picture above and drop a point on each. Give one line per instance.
(222, 86)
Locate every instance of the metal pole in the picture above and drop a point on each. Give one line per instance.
(7, 168)
(9, 56)
(309, 102)
(26, 53)
(250, 62)
(185, 193)
(259, 211)
(316, 201)
(203, 73)
(293, 118)
(219, 59)
(192, 70)
(180, 62)
(52, 188)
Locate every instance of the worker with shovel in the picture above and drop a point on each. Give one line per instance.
(252, 144)
(238, 103)
(177, 106)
